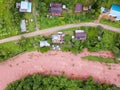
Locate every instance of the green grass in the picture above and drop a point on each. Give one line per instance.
(111, 23)
(101, 59)
(10, 18)
(45, 22)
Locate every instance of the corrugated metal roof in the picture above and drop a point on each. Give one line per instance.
(115, 7)
(23, 26)
(78, 7)
(24, 5)
(115, 10)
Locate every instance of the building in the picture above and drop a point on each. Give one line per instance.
(23, 26)
(24, 6)
(56, 9)
(104, 10)
(78, 8)
(115, 11)
(80, 35)
(44, 44)
(58, 38)
(85, 8)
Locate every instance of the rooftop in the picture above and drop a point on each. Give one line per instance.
(80, 35)
(56, 9)
(25, 6)
(78, 7)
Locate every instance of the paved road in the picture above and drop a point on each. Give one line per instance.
(54, 29)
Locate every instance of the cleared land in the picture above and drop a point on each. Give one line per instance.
(56, 63)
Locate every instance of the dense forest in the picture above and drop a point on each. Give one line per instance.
(42, 82)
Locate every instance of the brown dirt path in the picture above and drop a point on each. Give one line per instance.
(57, 62)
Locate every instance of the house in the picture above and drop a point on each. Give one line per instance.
(23, 26)
(56, 9)
(85, 8)
(104, 10)
(44, 44)
(58, 38)
(24, 6)
(78, 8)
(115, 11)
(80, 35)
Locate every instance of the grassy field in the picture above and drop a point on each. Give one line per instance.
(111, 23)
(100, 59)
(66, 18)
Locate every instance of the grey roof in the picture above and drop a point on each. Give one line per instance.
(44, 44)
(23, 26)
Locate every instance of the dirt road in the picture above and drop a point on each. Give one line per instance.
(54, 29)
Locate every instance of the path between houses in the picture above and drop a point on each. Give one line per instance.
(54, 29)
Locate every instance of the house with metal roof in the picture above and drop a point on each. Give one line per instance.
(115, 11)
(80, 35)
(44, 44)
(78, 8)
(24, 6)
(58, 38)
(104, 10)
(23, 26)
(56, 9)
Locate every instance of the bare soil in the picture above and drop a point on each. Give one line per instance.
(58, 62)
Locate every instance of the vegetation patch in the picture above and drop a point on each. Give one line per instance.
(41, 82)
(101, 59)
(110, 23)
(13, 48)
(10, 18)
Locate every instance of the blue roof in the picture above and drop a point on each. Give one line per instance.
(115, 7)
(103, 9)
(115, 10)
